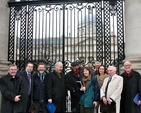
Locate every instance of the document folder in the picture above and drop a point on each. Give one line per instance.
(50, 107)
(136, 99)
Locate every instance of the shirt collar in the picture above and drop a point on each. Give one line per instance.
(113, 76)
(28, 73)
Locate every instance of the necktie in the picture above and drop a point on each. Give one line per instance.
(110, 78)
(42, 77)
(29, 85)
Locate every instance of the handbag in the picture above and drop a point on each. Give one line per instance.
(107, 108)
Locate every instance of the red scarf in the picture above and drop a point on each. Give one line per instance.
(128, 74)
(76, 72)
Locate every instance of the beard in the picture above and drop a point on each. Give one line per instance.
(128, 70)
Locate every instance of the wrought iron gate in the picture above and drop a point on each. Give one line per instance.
(52, 31)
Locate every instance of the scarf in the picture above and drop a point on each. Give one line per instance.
(86, 80)
(76, 72)
(128, 74)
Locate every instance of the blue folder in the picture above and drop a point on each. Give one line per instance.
(50, 107)
(136, 99)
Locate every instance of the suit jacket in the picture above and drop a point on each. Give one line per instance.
(56, 90)
(23, 74)
(39, 89)
(114, 90)
(11, 87)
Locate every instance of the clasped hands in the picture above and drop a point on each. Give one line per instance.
(105, 101)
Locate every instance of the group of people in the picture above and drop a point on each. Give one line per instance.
(103, 89)
(88, 89)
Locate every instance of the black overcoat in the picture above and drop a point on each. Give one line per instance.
(23, 74)
(71, 84)
(56, 91)
(11, 87)
(131, 86)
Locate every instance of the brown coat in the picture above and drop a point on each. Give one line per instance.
(100, 79)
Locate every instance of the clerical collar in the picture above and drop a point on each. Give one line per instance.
(12, 77)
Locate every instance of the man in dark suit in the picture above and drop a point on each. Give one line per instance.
(56, 91)
(12, 91)
(27, 78)
(39, 92)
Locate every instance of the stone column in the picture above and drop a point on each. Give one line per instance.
(4, 25)
(133, 33)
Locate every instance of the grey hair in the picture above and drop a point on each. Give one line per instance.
(12, 65)
(58, 64)
(97, 62)
(113, 67)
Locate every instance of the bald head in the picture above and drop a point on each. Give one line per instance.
(127, 62)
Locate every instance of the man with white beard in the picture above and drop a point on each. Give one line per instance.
(131, 86)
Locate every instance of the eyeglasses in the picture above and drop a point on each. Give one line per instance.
(127, 65)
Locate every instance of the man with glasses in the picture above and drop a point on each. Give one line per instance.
(131, 87)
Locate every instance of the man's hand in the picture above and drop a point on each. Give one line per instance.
(50, 100)
(109, 102)
(104, 100)
(139, 102)
(17, 98)
(83, 88)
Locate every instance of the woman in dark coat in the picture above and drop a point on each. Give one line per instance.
(55, 87)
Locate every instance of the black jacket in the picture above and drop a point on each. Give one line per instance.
(131, 86)
(71, 84)
(39, 90)
(23, 74)
(56, 91)
(11, 87)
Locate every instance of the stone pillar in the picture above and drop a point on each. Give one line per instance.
(133, 33)
(4, 23)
